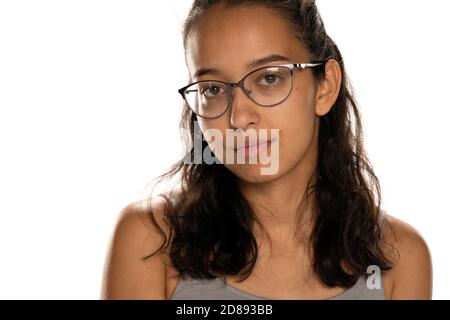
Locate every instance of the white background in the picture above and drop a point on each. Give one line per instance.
(89, 116)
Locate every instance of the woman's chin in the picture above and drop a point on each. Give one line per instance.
(254, 173)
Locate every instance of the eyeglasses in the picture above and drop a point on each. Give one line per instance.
(266, 86)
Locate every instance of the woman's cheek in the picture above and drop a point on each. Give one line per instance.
(298, 134)
(215, 137)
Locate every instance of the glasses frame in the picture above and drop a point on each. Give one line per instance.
(291, 66)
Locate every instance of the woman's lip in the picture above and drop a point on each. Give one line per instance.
(254, 144)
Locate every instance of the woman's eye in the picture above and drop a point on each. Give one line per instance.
(270, 79)
(211, 91)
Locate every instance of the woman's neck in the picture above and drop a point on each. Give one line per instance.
(282, 206)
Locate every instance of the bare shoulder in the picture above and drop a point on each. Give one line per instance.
(411, 275)
(126, 274)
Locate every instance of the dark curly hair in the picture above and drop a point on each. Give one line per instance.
(210, 220)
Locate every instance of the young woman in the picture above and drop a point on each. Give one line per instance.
(312, 228)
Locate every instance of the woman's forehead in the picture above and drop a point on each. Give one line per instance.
(235, 37)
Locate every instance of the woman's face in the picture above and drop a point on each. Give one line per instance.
(228, 41)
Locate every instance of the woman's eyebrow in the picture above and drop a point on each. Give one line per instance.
(252, 64)
(267, 59)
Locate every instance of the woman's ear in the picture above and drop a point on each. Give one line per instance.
(328, 88)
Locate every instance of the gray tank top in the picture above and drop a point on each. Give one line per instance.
(217, 289)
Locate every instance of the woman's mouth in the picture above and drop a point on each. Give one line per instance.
(253, 147)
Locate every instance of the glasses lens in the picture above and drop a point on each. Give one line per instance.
(207, 99)
(269, 86)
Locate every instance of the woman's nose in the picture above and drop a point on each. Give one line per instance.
(244, 112)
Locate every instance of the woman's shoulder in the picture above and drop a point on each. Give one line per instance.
(138, 215)
(129, 272)
(411, 275)
(136, 222)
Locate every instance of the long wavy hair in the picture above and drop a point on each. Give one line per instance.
(210, 220)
